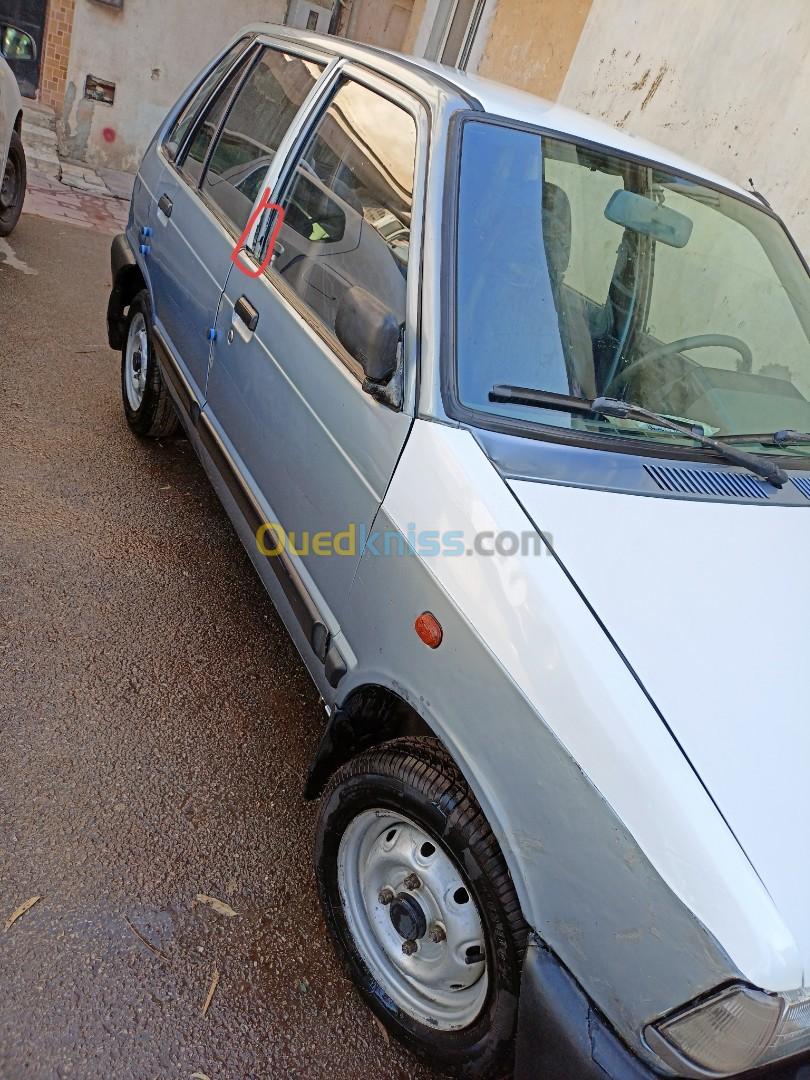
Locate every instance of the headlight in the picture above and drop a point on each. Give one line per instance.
(732, 1031)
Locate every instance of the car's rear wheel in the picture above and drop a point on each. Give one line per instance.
(147, 404)
(12, 186)
(421, 906)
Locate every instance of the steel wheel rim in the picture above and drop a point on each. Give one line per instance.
(9, 189)
(136, 364)
(442, 983)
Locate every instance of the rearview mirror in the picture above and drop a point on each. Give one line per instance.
(16, 44)
(369, 331)
(650, 218)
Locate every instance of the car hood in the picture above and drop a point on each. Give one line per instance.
(710, 605)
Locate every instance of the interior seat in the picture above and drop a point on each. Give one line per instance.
(575, 333)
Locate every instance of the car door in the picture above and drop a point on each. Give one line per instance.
(285, 397)
(204, 203)
(188, 254)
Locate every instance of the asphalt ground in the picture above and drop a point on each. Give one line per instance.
(156, 724)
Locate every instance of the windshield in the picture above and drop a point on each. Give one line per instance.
(586, 274)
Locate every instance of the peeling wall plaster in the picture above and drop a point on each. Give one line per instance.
(723, 82)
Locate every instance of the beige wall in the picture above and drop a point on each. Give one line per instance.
(413, 27)
(531, 42)
(380, 22)
(150, 49)
(723, 82)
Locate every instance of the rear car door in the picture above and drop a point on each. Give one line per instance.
(188, 254)
(285, 397)
(200, 215)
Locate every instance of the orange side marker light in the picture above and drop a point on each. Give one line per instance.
(429, 629)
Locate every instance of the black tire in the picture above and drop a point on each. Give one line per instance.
(155, 416)
(14, 182)
(415, 777)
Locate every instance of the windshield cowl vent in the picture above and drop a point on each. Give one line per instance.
(709, 482)
(802, 484)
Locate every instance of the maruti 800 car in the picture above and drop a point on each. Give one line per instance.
(511, 412)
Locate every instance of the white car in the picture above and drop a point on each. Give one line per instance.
(12, 155)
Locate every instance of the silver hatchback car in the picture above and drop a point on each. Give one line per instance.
(512, 414)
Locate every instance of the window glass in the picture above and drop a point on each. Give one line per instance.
(197, 101)
(594, 239)
(584, 273)
(264, 110)
(17, 45)
(192, 164)
(349, 205)
(746, 299)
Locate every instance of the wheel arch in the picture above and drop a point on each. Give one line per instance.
(127, 282)
(370, 714)
(375, 708)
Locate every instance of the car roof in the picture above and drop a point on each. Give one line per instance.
(499, 100)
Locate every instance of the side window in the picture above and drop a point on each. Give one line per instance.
(196, 152)
(264, 110)
(348, 205)
(196, 103)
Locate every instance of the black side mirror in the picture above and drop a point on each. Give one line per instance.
(370, 332)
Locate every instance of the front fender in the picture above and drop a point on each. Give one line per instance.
(583, 882)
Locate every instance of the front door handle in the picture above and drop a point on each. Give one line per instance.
(165, 205)
(247, 313)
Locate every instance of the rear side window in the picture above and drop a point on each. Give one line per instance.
(197, 102)
(348, 205)
(264, 110)
(194, 156)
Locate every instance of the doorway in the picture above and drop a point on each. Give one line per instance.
(28, 16)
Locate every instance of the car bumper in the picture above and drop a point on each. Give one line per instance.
(561, 1035)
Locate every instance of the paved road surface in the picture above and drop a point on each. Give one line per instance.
(155, 726)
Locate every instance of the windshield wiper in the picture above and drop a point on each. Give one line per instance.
(786, 437)
(789, 437)
(605, 406)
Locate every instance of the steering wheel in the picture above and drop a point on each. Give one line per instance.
(694, 341)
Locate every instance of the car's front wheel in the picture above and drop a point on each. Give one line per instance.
(421, 906)
(12, 186)
(147, 404)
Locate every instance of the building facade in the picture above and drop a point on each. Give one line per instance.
(111, 68)
(723, 82)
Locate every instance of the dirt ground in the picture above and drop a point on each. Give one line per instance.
(155, 728)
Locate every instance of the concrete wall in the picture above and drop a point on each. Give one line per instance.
(151, 50)
(525, 43)
(380, 22)
(529, 43)
(724, 82)
(417, 17)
